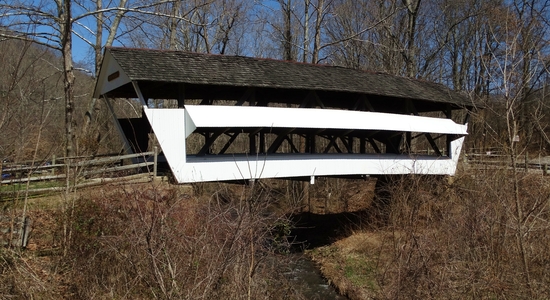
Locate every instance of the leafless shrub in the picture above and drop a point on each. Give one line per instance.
(18, 279)
(458, 239)
(158, 243)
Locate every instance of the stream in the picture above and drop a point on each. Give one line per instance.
(309, 281)
(312, 231)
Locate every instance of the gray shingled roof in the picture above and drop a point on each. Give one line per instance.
(204, 69)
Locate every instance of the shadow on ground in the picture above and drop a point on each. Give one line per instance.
(317, 230)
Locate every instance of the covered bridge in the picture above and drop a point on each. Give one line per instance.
(220, 118)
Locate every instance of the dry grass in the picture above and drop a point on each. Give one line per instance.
(351, 263)
(441, 240)
(429, 238)
(152, 241)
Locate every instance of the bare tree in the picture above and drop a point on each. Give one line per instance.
(319, 17)
(53, 25)
(29, 85)
(215, 26)
(516, 70)
(287, 36)
(90, 132)
(412, 7)
(50, 27)
(349, 39)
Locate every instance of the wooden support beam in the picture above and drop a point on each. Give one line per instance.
(408, 142)
(448, 111)
(305, 103)
(292, 146)
(249, 95)
(393, 143)
(448, 144)
(311, 140)
(262, 142)
(228, 144)
(431, 141)
(417, 135)
(363, 104)
(318, 100)
(367, 137)
(252, 143)
(210, 140)
(358, 104)
(310, 143)
(409, 107)
(374, 145)
(346, 144)
(127, 145)
(312, 100)
(439, 136)
(332, 143)
(181, 95)
(140, 95)
(252, 140)
(252, 98)
(206, 101)
(368, 105)
(279, 140)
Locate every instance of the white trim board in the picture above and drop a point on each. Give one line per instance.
(212, 116)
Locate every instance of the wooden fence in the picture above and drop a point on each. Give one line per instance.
(14, 231)
(78, 168)
(496, 158)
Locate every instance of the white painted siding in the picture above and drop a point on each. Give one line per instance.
(172, 126)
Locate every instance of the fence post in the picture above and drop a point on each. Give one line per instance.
(53, 163)
(24, 235)
(526, 162)
(545, 169)
(155, 160)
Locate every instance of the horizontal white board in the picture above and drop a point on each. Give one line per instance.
(211, 116)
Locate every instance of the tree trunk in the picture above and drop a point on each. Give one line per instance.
(68, 71)
(409, 54)
(317, 40)
(287, 35)
(306, 30)
(174, 24)
(92, 105)
(98, 36)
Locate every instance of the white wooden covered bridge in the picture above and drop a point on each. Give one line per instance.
(221, 118)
